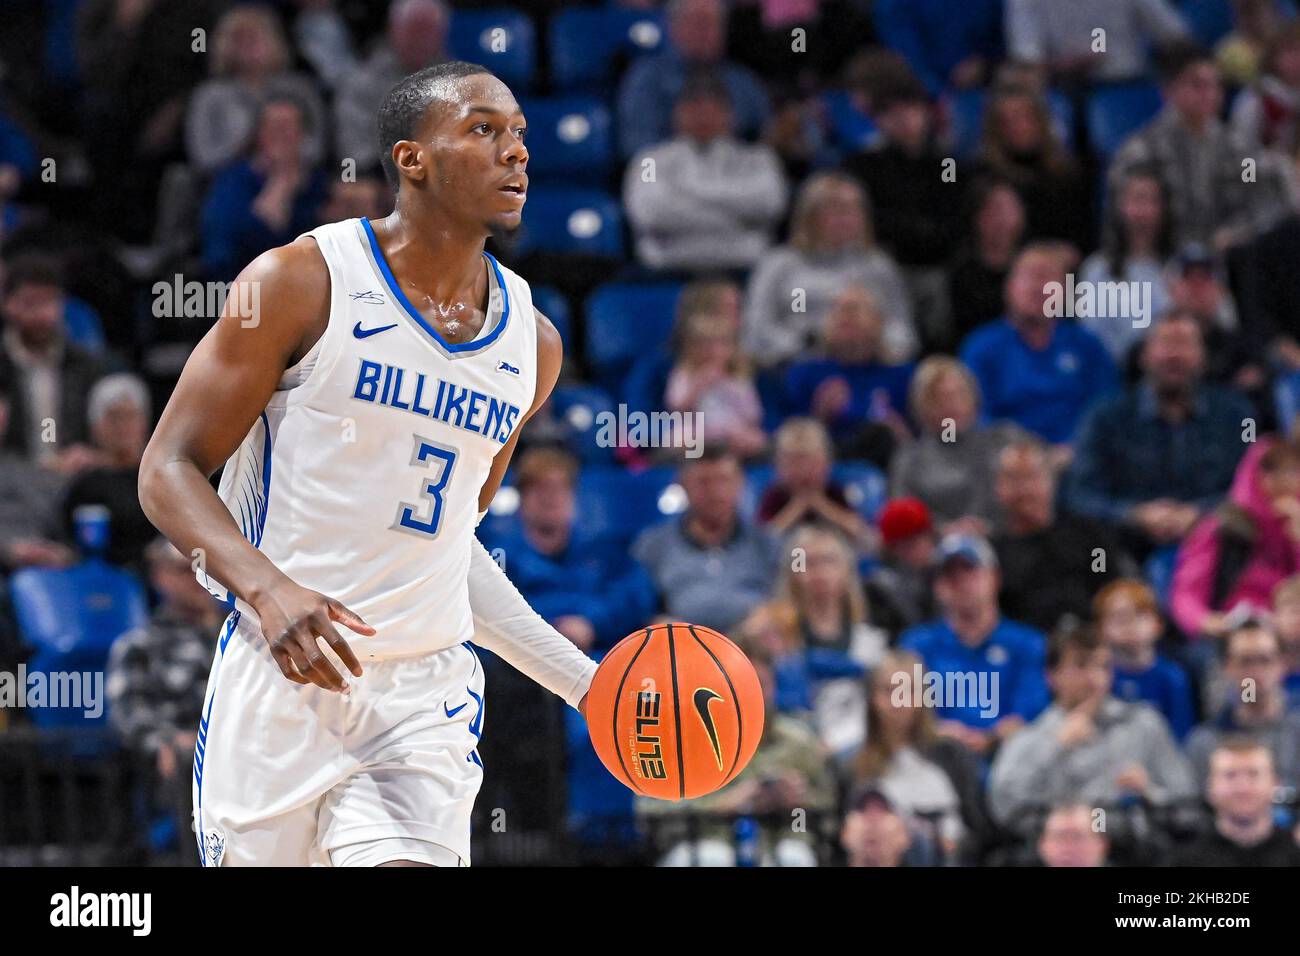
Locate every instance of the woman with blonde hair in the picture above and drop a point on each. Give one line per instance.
(832, 245)
(929, 778)
(250, 66)
(951, 465)
(832, 631)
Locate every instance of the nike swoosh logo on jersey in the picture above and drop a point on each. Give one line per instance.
(704, 697)
(360, 333)
(453, 712)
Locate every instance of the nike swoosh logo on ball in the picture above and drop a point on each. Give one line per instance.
(704, 697)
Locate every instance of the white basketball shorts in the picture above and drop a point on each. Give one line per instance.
(288, 774)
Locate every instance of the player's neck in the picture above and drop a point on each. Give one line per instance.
(445, 262)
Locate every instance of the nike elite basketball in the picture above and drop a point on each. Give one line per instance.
(675, 711)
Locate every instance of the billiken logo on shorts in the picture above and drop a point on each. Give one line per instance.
(647, 748)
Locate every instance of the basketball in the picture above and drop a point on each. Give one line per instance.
(675, 711)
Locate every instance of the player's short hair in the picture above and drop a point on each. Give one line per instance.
(407, 103)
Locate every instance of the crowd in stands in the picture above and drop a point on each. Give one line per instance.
(988, 311)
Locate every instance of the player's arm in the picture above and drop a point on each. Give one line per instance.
(503, 621)
(224, 387)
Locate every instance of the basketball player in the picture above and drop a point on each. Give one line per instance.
(365, 416)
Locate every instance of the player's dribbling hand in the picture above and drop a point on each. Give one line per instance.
(292, 619)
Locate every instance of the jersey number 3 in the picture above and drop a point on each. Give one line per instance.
(426, 517)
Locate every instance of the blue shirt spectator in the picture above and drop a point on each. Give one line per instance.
(992, 668)
(1164, 451)
(697, 34)
(264, 201)
(1163, 685)
(587, 588)
(1033, 368)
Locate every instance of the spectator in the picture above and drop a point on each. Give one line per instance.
(265, 200)
(366, 197)
(1234, 558)
(719, 299)
(861, 400)
(711, 379)
(157, 675)
(1136, 247)
(979, 274)
(1021, 145)
(997, 662)
(832, 633)
(1129, 621)
(874, 834)
(803, 491)
(703, 200)
(1059, 36)
(950, 466)
(1254, 703)
(1034, 369)
(119, 423)
(832, 246)
(1242, 781)
(710, 565)
(900, 584)
(788, 770)
(250, 66)
(1286, 624)
(934, 780)
(1268, 112)
(416, 37)
(584, 586)
(1198, 158)
(1245, 53)
(1155, 457)
(697, 36)
(27, 503)
(1072, 838)
(911, 199)
(1052, 564)
(1088, 745)
(50, 376)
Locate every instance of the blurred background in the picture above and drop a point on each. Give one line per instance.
(832, 227)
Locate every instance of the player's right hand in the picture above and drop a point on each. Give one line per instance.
(292, 618)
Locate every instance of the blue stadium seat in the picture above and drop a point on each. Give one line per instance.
(613, 500)
(865, 486)
(625, 321)
(1209, 20)
(82, 325)
(851, 129)
(757, 478)
(580, 406)
(1116, 112)
(552, 303)
(570, 138)
(503, 40)
(966, 119)
(1159, 572)
(71, 616)
(585, 45)
(569, 220)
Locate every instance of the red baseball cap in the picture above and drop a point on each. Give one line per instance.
(902, 518)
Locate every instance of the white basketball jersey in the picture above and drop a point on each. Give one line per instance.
(361, 478)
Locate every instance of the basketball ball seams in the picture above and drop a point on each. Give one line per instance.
(735, 698)
(618, 696)
(677, 716)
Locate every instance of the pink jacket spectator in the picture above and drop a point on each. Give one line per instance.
(1274, 555)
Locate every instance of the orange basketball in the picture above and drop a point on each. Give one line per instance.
(675, 711)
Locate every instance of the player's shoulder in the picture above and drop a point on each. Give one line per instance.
(297, 267)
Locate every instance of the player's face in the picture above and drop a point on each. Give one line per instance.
(477, 160)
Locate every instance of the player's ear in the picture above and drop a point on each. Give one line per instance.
(407, 157)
